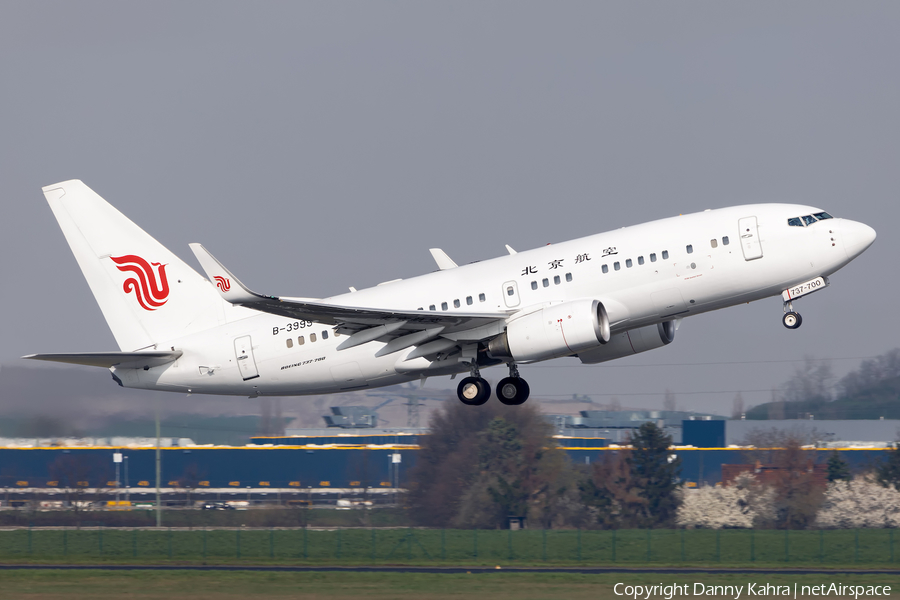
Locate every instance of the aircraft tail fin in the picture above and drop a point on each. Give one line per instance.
(146, 293)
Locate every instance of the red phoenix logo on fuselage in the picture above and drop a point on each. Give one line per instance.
(149, 284)
(222, 283)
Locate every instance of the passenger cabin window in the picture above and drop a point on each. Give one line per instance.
(795, 222)
(822, 216)
(617, 266)
(725, 241)
(665, 254)
(809, 219)
(510, 291)
(444, 305)
(431, 307)
(324, 335)
(290, 343)
(534, 285)
(640, 260)
(469, 300)
(628, 263)
(605, 269)
(556, 280)
(312, 337)
(545, 282)
(456, 304)
(568, 277)
(481, 297)
(689, 248)
(713, 243)
(301, 340)
(653, 257)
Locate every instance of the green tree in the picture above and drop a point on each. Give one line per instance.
(656, 475)
(610, 494)
(838, 469)
(798, 496)
(888, 472)
(483, 464)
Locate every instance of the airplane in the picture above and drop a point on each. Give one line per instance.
(597, 298)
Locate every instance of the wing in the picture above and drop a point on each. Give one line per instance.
(363, 323)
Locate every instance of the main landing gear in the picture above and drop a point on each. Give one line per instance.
(475, 390)
(513, 390)
(791, 319)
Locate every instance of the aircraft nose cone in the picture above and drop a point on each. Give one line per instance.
(857, 237)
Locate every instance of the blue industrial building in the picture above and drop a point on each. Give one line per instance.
(301, 467)
(336, 461)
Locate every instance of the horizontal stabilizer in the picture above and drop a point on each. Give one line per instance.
(123, 360)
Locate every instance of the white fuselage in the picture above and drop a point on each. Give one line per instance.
(646, 271)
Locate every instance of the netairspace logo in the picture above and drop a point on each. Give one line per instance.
(644, 592)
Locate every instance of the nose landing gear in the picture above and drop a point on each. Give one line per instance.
(791, 319)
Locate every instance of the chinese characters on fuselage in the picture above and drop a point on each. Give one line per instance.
(558, 263)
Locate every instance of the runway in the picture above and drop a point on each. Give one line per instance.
(450, 570)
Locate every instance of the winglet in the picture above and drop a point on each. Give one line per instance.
(229, 286)
(443, 261)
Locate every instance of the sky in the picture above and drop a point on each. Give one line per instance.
(313, 146)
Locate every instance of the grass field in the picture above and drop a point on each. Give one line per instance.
(827, 548)
(143, 585)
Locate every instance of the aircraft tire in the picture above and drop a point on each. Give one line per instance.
(513, 391)
(473, 391)
(792, 320)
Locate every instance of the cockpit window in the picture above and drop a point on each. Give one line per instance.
(795, 222)
(808, 219)
(822, 216)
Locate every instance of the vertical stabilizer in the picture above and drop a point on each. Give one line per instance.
(147, 294)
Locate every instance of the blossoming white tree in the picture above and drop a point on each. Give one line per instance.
(743, 504)
(859, 503)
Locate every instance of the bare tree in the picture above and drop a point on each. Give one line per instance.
(265, 418)
(75, 474)
(737, 406)
(811, 381)
(278, 418)
(669, 400)
(8, 481)
(871, 372)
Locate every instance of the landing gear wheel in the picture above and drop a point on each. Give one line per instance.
(512, 391)
(792, 320)
(473, 391)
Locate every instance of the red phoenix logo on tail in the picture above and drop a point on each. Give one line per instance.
(222, 283)
(149, 284)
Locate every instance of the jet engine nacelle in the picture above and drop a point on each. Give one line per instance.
(556, 330)
(631, 342)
